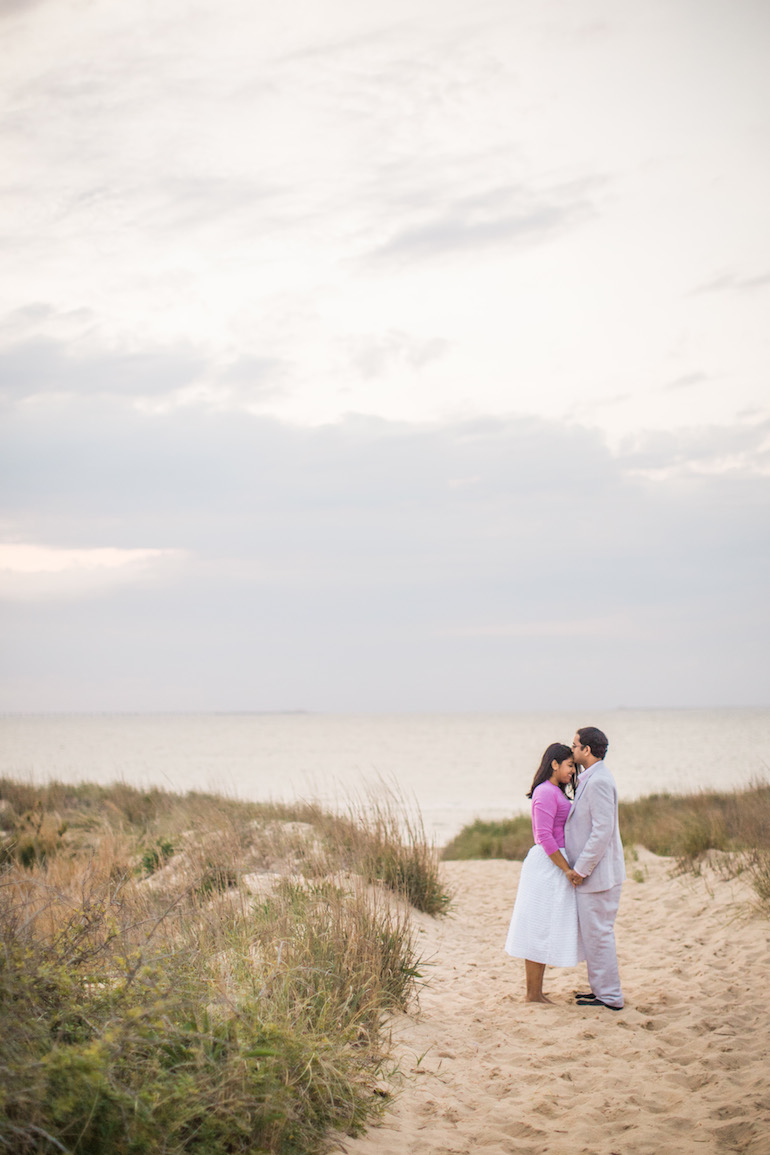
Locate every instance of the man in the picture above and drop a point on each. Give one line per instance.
(595, 852)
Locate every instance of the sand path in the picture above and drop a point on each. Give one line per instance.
(684, 1067)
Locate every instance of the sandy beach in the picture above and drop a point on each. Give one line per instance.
(684, 1067)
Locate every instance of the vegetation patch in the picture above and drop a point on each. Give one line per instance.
(151, 1003)
(730, 830)
(511, 838)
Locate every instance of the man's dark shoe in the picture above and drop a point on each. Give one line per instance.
(594, 1002)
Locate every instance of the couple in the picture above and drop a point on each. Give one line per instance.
(569, 890)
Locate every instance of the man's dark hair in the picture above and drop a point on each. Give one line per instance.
(595, 740)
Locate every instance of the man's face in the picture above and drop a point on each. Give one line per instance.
(579, 751)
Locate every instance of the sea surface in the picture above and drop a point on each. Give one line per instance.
(454, 767)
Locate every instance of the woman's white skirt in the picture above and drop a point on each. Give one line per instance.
(544, 925)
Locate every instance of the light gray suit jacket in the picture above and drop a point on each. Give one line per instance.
(591, 835)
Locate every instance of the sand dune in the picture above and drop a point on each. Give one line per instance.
(684, 1067)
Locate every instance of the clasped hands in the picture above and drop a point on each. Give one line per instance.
(574, 877)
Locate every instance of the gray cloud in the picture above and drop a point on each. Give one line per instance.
(41, 365)
(686, 381)
(499, 217)
(375, 355)
(196, 199)
(745, 446)
(16, 7)
(733, 282)
(254, 375)
(217, 177)
(376, 565)
(26, 317)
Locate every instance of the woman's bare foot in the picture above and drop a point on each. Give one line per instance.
(535, 973)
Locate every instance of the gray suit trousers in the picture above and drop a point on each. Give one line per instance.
(596, 919)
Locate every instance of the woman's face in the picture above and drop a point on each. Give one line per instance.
(562, 771)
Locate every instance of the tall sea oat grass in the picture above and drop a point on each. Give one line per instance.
(388, 839)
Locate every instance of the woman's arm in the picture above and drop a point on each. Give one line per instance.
(560, 861)
(544, 811)
(545, 805)
(562, 864)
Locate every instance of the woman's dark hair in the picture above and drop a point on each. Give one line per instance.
(556, 752)
(595, 740)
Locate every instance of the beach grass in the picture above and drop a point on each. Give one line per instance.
(730, 830)
(509, 838)
(190, 973)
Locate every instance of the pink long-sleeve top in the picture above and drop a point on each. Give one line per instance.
(550, 808)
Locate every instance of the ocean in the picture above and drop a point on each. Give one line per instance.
(454, 767)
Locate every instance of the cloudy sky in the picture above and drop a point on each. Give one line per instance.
(361, 356)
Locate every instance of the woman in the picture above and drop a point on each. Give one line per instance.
(544, 927)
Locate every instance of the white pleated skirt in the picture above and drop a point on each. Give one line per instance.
(544, 924)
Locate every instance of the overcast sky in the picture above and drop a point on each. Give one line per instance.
(361, 356)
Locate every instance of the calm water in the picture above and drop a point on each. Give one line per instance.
(456, 766)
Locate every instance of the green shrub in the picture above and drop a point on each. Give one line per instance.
(156, 856)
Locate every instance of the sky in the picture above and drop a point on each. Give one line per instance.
(366, 357)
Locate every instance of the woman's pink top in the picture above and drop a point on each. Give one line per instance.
(550, 808)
